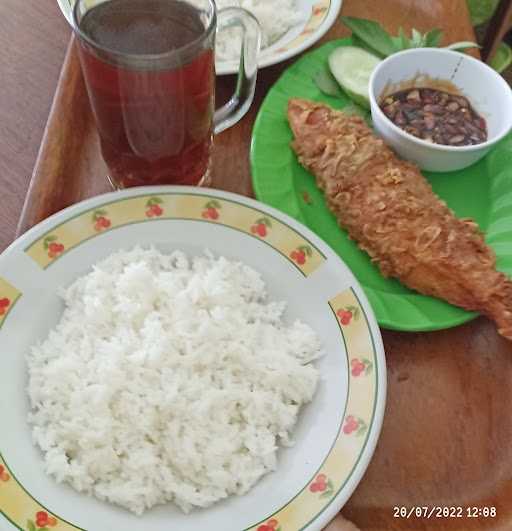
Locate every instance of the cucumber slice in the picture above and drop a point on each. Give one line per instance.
(352, 68)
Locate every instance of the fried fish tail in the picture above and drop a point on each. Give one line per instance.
(499, 307)
(390, 210)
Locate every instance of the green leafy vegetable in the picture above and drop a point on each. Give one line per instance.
(361, 44)
(502, 58)
(373, 34)
(481, 10)
(417, 39)
(401, 42)
(433, 38)
(377, 40)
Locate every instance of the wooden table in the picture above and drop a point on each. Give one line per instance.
(33, 40)
(451, 448)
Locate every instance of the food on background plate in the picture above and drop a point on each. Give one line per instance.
(435, 116)
(168, 378)
(274, 24)
(390, 210)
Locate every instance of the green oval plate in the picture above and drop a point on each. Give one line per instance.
(482, 192)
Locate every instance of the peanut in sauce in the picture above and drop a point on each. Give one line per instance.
(435, 116)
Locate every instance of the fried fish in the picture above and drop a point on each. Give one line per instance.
(390, 210)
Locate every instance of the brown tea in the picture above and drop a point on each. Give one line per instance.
(155, 123)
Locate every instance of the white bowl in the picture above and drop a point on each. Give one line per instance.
(487, 91)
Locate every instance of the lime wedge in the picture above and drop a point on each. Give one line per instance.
(502, 58)
(352, 67)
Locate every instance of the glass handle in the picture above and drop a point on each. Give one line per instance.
(239, 104)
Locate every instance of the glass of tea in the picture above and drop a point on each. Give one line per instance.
(149, 69)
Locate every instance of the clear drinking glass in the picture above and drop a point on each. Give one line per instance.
(149, 69)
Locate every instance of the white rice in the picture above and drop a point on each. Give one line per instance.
(275, 20)
(168, 378)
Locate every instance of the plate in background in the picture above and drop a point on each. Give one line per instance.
(318, 17)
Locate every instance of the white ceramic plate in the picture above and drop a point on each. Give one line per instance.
(318, 17)
(336, 434)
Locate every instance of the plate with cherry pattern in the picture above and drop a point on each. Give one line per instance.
(336, 433)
